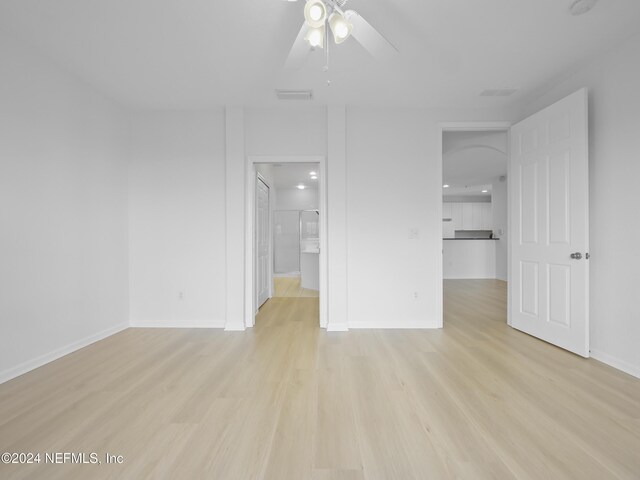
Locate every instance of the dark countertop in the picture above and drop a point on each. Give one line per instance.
(472, 238)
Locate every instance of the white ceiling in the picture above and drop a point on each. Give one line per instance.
(197, 53)
(472, 160)
(290, 175)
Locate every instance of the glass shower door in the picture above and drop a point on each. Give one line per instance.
(286, 241)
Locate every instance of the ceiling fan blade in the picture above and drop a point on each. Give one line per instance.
(299, 50)
(370, 38)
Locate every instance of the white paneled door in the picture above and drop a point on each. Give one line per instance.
(262, 242)
(549, 212)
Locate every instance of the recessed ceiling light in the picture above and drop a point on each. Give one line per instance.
(312, 173)
(446, 185)
(301, 187)
(314, 177)
(485, 191)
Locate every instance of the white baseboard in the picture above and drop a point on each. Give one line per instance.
(615, 362)
(337, 327)
(396, 325)
(179, 324)
(235, 328)
(29, 365)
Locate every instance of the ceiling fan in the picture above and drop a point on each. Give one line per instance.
(320, 16)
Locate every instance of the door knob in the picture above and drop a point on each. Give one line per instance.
(576, 256)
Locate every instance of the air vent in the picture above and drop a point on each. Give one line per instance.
(499, 92)
(294, 94)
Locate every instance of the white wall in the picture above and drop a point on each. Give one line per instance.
(63, 246)
(499, 205)
(290, 131)
(296, 199)
(177, 219)
(614, 123)
(454, 141)
(393, 185)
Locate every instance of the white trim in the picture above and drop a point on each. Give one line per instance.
(509, 230)
(337, 327)
(337, 214)
(462, 127)
(254, 246)
(475, 126)
(41, 360)
(439, 271)
(287, 275)
(234, 217)
(250, 304)
(179, 324)
(395, 325)
(249, 284)
(234, 328)
(616, 363)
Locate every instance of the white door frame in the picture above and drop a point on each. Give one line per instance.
(470, 127)
(249, 287)
(259, 177)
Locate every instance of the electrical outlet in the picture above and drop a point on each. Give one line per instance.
(414, 233)
(415, 295)
(181, 295)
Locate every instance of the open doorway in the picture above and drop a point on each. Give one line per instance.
(287, 234)
(475, 219)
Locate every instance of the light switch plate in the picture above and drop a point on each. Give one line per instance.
(414, 234)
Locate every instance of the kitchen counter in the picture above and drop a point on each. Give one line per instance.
(469, 259)
(471, 238)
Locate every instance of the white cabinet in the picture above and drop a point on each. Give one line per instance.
(466, 216)
(448, 230)
(476, 221)
(487, 216)
(446, 210)
(456, 216)
(309, 271)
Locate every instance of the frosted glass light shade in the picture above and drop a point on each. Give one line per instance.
(315, 37)
(340, 27)
(315, 13)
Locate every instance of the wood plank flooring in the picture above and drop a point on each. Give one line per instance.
(286, 400)
(291, 287)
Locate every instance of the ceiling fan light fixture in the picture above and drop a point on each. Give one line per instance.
(315, 13)
(340, 27)
(315, 37)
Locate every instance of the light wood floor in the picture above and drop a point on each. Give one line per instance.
(290, 287)
(285, 400)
